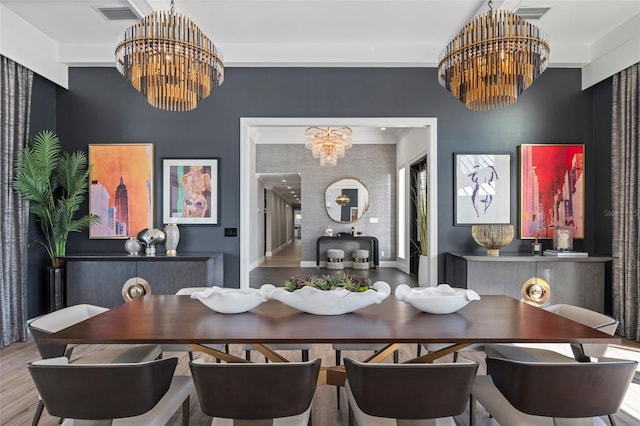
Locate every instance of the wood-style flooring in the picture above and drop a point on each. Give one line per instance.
(286, 264)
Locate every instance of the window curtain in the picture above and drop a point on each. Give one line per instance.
(15, 104)
(625, 182)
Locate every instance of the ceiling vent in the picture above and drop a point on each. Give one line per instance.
(122, 13)
(531, 13)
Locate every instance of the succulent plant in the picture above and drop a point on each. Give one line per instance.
(329, 282)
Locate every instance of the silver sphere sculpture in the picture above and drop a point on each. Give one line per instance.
(150, 237)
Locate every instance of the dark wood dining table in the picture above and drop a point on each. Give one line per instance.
(164, 319)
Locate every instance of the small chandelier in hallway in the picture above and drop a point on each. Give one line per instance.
(342, 200)
(328, 144)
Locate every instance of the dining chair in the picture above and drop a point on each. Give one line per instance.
(178, 347)
(41, 327)
(582, 352)
(407, 394)
(247, 394)
(143, 394)
(552, 393)
(373, 347)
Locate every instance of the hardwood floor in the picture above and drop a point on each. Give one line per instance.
(286, 263)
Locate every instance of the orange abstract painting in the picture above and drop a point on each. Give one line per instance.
(121, 189)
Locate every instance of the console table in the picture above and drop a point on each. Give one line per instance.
(372, 241)
(111, 279)
(576, 281)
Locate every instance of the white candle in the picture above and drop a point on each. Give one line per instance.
(563, 239)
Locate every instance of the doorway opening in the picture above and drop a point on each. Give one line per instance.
(250, 195)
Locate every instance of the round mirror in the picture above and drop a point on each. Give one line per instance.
(346, 200)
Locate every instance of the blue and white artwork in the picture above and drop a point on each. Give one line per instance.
(483, 188)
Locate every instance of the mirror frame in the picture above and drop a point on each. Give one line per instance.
(328, 203)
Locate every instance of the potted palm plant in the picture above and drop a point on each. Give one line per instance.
(54, 182)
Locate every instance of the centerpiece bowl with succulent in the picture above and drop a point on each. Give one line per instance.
(328, 294)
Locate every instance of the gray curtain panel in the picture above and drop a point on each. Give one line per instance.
(15, 105)
(625, 183)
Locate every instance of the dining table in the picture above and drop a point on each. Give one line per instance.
(171, 319)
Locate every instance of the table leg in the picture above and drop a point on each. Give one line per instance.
(431, 356)
(383, 353)
(217, 354)
(272, 356)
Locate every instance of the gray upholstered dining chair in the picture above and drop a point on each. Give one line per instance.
(44, 325)
(407, 394)
(143, 394)
(582, 352)
(552, 393)
(373, 347)
(256, 393)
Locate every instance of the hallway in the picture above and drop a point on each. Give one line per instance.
(286, 263)
(289, 257)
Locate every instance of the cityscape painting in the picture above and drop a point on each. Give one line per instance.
(121, 189)
(551, 190)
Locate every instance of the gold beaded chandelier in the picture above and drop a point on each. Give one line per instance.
(328, 144)
(493, 59)
(342, 200)
(168, 59)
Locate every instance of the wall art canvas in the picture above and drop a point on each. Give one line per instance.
(483, 188)
(551, 190)
(190, 191)
(121, 189)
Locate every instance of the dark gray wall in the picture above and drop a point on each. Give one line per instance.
(43, 117)
(101, 106)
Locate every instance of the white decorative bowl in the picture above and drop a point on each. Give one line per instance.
(230, 300)
(436, 300)
(328, 302)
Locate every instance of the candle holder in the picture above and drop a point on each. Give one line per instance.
(563, 239)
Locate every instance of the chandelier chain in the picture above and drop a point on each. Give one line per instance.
(172, 8)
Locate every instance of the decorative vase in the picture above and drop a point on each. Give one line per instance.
(492, 237)
(171, 238)
(132, 246)
(423, 271)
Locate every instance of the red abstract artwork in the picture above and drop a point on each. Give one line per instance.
(551, 190)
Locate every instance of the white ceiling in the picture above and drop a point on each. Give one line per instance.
(329, 32)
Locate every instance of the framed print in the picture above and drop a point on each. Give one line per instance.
(551, 190)
(190, 191)
(483, 189)
(354, 214)
(121, 189)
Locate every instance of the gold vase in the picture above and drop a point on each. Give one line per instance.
(492, 237)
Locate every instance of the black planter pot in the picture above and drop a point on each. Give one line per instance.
(56, 297)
